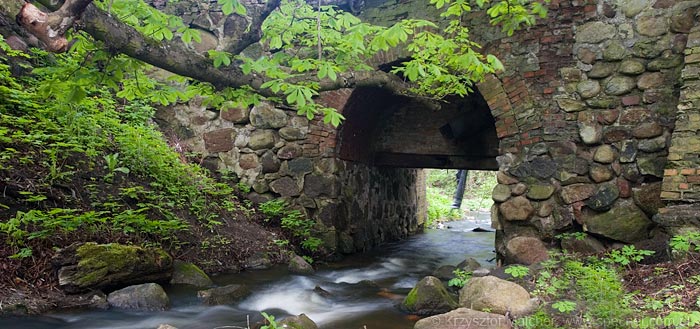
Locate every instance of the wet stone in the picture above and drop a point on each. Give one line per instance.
(619, 85)
(503, 178)
(650, 80)
(594, 32)
(600, 173)
(602, 70)
(652, 145)
(570, 105)
(292, 134)
(270, 162)
(576, 192)
(624, 222)
(630, 171)
(615, 51)
(570, 74)
(604, 154)
(300, 166)
(315, 186)
(261, 139)
(518, 189)
(543, 167)
(652, 166)
(615, 134)
(652, 26)
(590, 133)
(219, 140)
(588, 88)
(647, 130)
(516, 209)
(647, 48)
(540, 192)
(248, 161)
(683, 22)
(290, 151)
(235, 114)
(500, 193)
(665, 63)
(603, 198)
(633, 7)
(264, 115)
(285, 187)
(628, 153)
(632, 67)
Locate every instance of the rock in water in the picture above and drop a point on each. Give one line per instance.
(223, 295)
(496, 295)
(188, 273)
(92, 266)
(299, 265)
(464, 318)
(429, 297)
(300, 321)
(144, 297)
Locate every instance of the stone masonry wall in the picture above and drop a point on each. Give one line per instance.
(586, 147)
(283, 155)
(681, 183)
(596, 115)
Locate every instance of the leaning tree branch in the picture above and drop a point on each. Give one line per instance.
(176, 57)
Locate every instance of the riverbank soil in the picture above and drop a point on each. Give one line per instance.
(672, 285)
(28, 282)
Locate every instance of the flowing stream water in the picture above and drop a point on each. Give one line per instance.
(357, 292)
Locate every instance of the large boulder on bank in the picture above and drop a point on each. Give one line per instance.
(190, 274)
(142, 297)
(300, 321)
(429, 297)
(496, 295)
(223, 295)
(299, 265)
(464, 318)
(92, 266)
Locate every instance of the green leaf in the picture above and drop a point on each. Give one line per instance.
(229, 7)
(494, 62)
(191, 34)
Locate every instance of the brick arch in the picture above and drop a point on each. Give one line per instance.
(385, 129)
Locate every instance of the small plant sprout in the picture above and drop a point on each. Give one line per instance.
(564, 306)
(517, 271)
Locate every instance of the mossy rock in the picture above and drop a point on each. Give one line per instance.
(300, 321)
(190, 274)
(92, 266)
(429, 297)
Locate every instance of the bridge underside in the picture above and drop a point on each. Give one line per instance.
(383, 129)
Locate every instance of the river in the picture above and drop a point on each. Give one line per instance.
(357, 295)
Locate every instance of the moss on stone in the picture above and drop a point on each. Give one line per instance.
(95, 261)
(188, 273)
(411, 299)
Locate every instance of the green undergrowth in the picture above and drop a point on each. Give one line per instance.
(590, 292)
(79, 159)
(300, 228)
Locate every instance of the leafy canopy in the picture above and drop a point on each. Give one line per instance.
(302, 45)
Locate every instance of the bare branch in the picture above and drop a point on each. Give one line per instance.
(51, 28)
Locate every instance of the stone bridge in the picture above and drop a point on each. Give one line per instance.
(592, 127)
